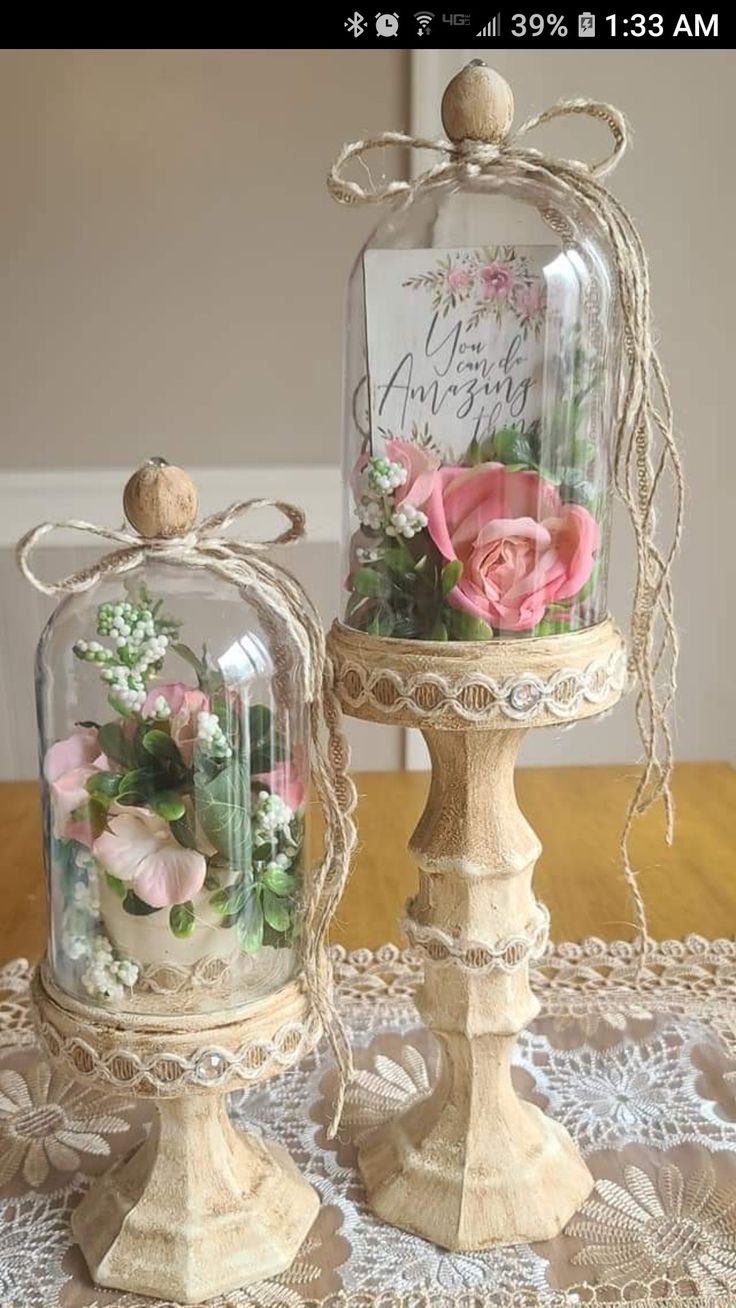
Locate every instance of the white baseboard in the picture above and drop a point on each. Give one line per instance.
(30, 495)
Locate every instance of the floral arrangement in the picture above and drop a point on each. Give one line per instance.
(185, 804)
(492, 282)
(490, 544)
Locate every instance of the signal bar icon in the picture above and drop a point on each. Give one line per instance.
(492, 28)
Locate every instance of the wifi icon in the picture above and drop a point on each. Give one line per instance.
(423, 21)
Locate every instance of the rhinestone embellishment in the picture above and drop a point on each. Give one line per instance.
(209, 1068)
(524, 696)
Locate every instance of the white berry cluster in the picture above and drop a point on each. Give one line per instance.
(139, 639)
(371, 513)
(271, 817)
(160, 709)
(374, 507)
(211, 736)
(384, 476)
(406, 521)
(106, 977)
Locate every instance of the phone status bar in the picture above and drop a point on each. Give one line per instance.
(584, 27)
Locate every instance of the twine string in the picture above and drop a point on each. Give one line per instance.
(243, 563)
(645, 455)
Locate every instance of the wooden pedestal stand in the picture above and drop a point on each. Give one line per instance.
(473, 1165)
(199, 1208)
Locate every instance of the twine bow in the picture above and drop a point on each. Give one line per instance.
(287, 612)
(644, 449)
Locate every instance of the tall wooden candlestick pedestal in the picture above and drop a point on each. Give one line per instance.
(199, 1208)
(474, 1165)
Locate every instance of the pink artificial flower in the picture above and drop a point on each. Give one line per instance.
(521, 548)
(184, 704)
(458, 279)
(67, 767)
(140, 849)
(287, 780)
(496, 280)
(421, 468)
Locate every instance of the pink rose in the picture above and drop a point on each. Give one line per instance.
(459, 279)
(421, 468)
(184, 705)
(496, 280)
(141, 851)
(287, 780)
(521, 548)
(67, 767)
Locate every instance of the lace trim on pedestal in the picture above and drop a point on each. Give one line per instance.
(478, 956)
(474, 696)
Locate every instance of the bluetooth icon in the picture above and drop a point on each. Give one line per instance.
(356, 24)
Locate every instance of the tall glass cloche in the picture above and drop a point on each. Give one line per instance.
(480, 397)
(175, 771)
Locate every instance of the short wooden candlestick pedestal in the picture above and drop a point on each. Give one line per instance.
(474, 1165)
(199, 1208)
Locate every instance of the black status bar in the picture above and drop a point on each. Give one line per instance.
(547, 27)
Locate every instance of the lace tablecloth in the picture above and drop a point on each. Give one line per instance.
(642, 1073)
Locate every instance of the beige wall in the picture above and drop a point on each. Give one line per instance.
(173, 276)
(172, 268)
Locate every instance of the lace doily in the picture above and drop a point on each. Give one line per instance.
(642, 1071)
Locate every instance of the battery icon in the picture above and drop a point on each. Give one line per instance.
(586, 24)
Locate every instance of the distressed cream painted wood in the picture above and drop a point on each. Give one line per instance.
(473, 1164)
(199, 1209)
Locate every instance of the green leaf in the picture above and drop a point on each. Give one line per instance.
(229, 900)
(160, 745)
(182, 831)
(474, 453)
(223, 806)
(367, 581)
(279, 881)
(138, 907)
(250, 927)
(188, 655)
(120, 708)
(169, 805)
(381, 624)
(181, 920)
(139, 781)
(116, 885)
(551, 627)
(439, 631)
(260, 721)
(451, 574)
(103, 784)
(466, 627)
(511, 447)
(275, 912)
(115, 744)
(91, 813)
(267, 746)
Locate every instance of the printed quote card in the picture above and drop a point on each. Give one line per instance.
(455, 341)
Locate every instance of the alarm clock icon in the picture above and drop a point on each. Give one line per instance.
(387, 24)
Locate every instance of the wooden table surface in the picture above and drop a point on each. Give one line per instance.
(577, 813)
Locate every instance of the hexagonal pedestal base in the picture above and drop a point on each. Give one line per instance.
(197, 1210)
(470, 1169)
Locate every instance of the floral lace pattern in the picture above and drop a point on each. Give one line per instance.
(638, 1064)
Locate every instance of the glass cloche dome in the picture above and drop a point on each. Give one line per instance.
(175, 770)
(479, 405)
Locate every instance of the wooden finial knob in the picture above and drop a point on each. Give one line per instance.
(160, 501)
(478, 105)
